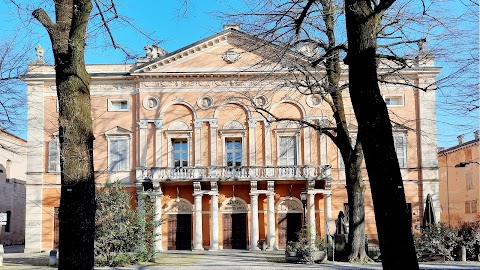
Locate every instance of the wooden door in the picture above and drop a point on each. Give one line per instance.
(235, 231)
(56, 229)
(288, 227)
(180, 232)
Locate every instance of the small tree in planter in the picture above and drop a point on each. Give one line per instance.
(304, 251)
(469, 234)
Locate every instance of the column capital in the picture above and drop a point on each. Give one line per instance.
(214, 186)
(197, 187)
(143, 124)
(213, 123)
(253, 186)
(197, 123)
(158, 123)
(252, 123)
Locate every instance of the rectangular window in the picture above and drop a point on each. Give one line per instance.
(54, 156)
(234, 152)
(473, 206)
(467, 207)
(9, 221)
(469, 180)
(401, 149)
(394, 100)
(288, 151)
(119, 154)
(118, 105)
(180, 153)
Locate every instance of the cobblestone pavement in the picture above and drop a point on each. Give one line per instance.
(211, 260)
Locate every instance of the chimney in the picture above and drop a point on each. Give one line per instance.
(234, 26)
(461, 139)
(477, 134)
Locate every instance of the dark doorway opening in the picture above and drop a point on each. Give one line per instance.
(180, 232)
(288, 227)
(235, 231)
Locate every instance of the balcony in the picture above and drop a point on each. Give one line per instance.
(246, 173)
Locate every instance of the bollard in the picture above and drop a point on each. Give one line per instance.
(462, 254)
(1, 253)
(52, 260)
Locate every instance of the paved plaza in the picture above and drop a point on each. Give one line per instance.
(211, 260)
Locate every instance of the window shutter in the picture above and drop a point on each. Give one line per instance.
(400, 149)
(53, 156)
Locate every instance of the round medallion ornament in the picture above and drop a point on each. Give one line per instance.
(231, 56)
(150, 103)
(314, 100)
(260, 101)
(205, 102)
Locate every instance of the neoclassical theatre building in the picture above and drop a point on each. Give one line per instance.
(181, 127)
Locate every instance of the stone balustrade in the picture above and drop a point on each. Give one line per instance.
(304, 172)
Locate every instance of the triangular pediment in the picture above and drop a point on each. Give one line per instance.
(226, 52)
(118, 131)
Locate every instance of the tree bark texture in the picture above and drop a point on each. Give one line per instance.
(375, 134)
(77, 202)
(352, 157)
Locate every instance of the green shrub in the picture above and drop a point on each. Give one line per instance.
(437, 239)
(122, 236)
(469, 234)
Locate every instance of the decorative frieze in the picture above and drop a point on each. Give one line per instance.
(201, 82)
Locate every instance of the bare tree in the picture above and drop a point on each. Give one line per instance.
(310, 28)
(77, 202)
(363, 20)
(13, 62)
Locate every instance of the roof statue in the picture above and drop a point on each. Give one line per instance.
(39, 52)
(154, 51)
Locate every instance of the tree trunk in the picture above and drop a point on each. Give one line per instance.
(77, 202)
(356, 204)
(375, 134)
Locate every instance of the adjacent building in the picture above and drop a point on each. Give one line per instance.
(460, 181)
(13, 165)
(185, 127)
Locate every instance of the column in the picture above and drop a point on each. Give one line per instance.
(143, 124)
(35, 168)
(311, 216)
(158, 143)
(268, 147)
(197, 233)
(323, 150)
(198, 142)
(254, 232)
(252, 158)
(271, 221)
(214, 223)
(158, 222)
(327, 213)
(213, 145)
(141, 208)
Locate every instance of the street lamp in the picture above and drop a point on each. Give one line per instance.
(303, 198)
(465, 163)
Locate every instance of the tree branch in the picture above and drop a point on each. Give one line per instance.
(298, 22)
(45, 20)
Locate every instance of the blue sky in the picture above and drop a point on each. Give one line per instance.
(174, 25)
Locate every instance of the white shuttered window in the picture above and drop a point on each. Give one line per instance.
(119, 154)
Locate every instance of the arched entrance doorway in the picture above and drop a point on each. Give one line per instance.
(179, 225)
(234, 220)
(289, 220)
